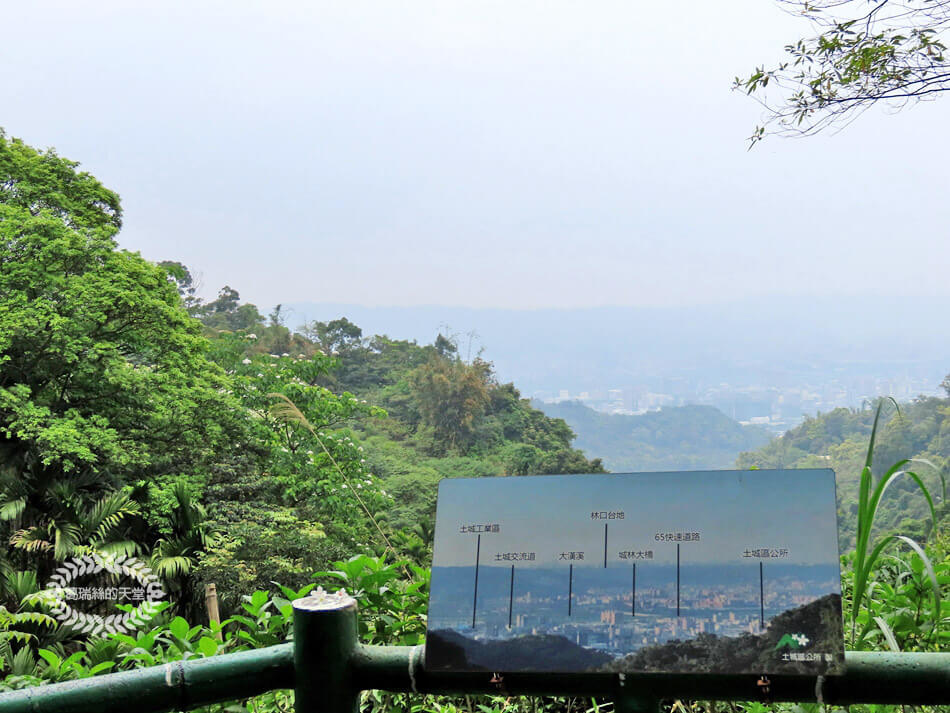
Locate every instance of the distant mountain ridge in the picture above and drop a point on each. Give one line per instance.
(673, 438)
(769, 340)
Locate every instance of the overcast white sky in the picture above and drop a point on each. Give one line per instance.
(510, 154)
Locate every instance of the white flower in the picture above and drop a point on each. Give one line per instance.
(285, 354)
(343, 486)
(252, 336)
(801, 639)
(246, 361)
(359, 487)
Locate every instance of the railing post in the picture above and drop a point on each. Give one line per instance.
(636, 703)
(325, 638)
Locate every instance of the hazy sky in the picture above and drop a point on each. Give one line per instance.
(732, 511)
(473, 153)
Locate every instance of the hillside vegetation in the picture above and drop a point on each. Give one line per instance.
(674, 438)
(414, 414)
(839, 440)
(443, 417)
(206, 443)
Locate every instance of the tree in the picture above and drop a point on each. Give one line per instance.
(862, 54)
(451, 396)
(297, 506)
(445, 346)
(185, 283)
(103, 374)
(175, 555)
(53, 515)
(227, 312)
(337, 336)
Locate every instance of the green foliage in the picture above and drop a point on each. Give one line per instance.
(450, 396)
(104, 378)
(865, 557)
(393, 598)
(226, 312)
(101, 368)
(861, 54)
(898, 612)
(43, 183)
(439, 423)
(839, 440)
(392, 606)
(126, 425)
(60, 515)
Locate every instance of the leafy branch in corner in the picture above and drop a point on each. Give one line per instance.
(862, 54)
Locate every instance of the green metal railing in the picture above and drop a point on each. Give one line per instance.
(328, 668)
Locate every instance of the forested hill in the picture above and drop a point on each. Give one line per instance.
(445, 417)
(676, 438)
(839, 440)
(413, 414)
(211, 442)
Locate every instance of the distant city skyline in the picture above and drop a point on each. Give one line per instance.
(776, 409)
(770, 358)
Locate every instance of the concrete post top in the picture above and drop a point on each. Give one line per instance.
(321, 600)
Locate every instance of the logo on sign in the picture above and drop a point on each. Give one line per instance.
(792, 641)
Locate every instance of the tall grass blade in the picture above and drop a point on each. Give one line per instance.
(877, 417)
(931, 574)
(888, 634)
(928, 566)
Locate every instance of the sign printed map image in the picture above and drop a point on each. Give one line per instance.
(717, 571)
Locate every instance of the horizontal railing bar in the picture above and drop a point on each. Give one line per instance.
(175, 686)
(871, 677)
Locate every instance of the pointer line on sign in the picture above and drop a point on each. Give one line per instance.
(605, 545)
(761, 597)
(511, 595)
(478, 552)
(633, 592)
(677, 579)
(570, 587)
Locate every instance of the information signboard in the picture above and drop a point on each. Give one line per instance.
(718, 571)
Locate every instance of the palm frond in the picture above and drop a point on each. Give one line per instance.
(12, 509)
(31, 539)
(108, 512)
(66, 538)
(171, 567)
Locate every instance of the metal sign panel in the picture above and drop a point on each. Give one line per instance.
(718, 572)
